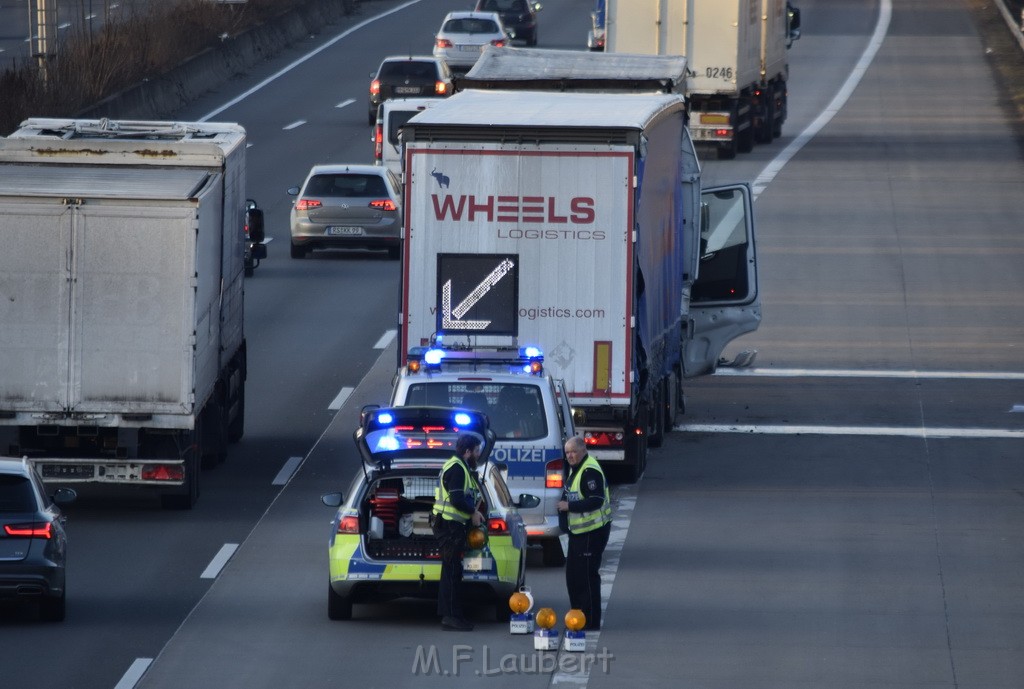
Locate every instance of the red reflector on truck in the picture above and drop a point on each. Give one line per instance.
(163, 472)
(603, 439)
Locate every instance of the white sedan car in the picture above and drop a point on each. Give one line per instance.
(463, 36)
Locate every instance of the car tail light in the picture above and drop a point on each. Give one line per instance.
(349, 524)
(443, 43)
(498, 42)
(163, 472)
(306, 204)
(553, 474)
(497, 527)
(440, 88)
(384, 204)
(375, 87)
(603, 439)
(30, 530)
(378, 142)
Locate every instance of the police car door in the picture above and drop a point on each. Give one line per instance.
(724, 300)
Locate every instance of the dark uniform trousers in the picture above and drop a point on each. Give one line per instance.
(583, 575)
(453, 544)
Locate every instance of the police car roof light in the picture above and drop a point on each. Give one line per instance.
(462, 419)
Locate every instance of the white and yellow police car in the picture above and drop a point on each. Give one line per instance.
(382, 546)
(528, 410)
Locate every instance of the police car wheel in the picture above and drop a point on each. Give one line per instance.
(338, 607)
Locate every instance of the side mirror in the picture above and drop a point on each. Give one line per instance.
(254, 221)
(293, 191)
(527, 501)
(64, 496)
(332, 499)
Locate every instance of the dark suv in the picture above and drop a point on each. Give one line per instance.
(32, 539)
(518, 16)
(408, 77)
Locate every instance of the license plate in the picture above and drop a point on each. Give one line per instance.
(471, 48)
(344, 231)
(407, 89)
(59, 471)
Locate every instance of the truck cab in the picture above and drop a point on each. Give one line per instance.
(528, 411)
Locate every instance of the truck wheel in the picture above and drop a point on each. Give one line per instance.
(745, 138)
(656, 418)
(672, 396)
(236, 425)
(552, 552)
(214, 434)
(764, 132)
(727, 151)
(780, 111)
(187, 499)
(338, 607)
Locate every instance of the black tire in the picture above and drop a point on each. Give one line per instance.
(236, 426)
(552, 552)
(727, 151)
(189, 495)
(781, 112)
(53, 608)
(764, 133)
(338, 607)
(372, 119)
(298, 251)
(214, 434)
(502, 613)
(745, 138)
(672, 399)
(656, 418)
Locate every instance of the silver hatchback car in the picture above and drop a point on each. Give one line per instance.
(463, 36)
(347, 206)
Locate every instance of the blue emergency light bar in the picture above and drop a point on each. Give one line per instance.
(435, 359)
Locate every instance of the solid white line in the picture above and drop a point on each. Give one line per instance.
(286, 471)
(339, 401)
(775, 166)
(342, 104)
(218, 561)
(908, 432)
(304, 58)
(1017, 408)
(134, 673)
(386, 339)
(293, 125)
(866, 373)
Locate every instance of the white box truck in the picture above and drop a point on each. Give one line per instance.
(736, 50)
(575, 222)
(122, 346)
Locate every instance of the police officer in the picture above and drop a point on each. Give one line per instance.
(587, 506)
(455, 508)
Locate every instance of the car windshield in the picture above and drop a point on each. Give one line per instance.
(515, 410)
(470, 26)
(16, 494)
(415, 70)
(347, 185)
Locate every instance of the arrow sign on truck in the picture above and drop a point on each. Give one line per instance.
(491, 292)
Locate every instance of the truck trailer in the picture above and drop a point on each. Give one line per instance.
(122, 343)
(576, 222)
(736, 49)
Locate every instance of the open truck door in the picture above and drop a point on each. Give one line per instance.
(724, 300)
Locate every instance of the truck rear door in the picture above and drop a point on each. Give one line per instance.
(724, 300)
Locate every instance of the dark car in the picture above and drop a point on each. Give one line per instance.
(410, 76)
(518, 16)
(33, 544)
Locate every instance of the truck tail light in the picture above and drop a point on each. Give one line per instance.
(375, 87)
(349, 524)
(306, 204)
(163, 472)
(443, 43)
(497, 527)
(30, 530)
(553, 474)
(384, 204)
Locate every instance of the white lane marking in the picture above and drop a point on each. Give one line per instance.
(307, 56)
(134, 673)
(386, 339)
(775, 166)
(339, 401)
(219, 560)
(343, 103)
(286, 471)
(904, 431)
(295, 124)
(576, 673)
(1017, 408)
(866, 373)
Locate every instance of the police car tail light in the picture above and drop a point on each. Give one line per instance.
(349, 524)
(553, 474)
(30, 530)
(497, 526)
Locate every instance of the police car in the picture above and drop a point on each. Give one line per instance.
(529, 413)
(381, 543)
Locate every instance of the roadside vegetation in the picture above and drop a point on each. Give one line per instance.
(136, 41)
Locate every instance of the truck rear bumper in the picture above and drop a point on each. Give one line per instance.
(155, 472)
